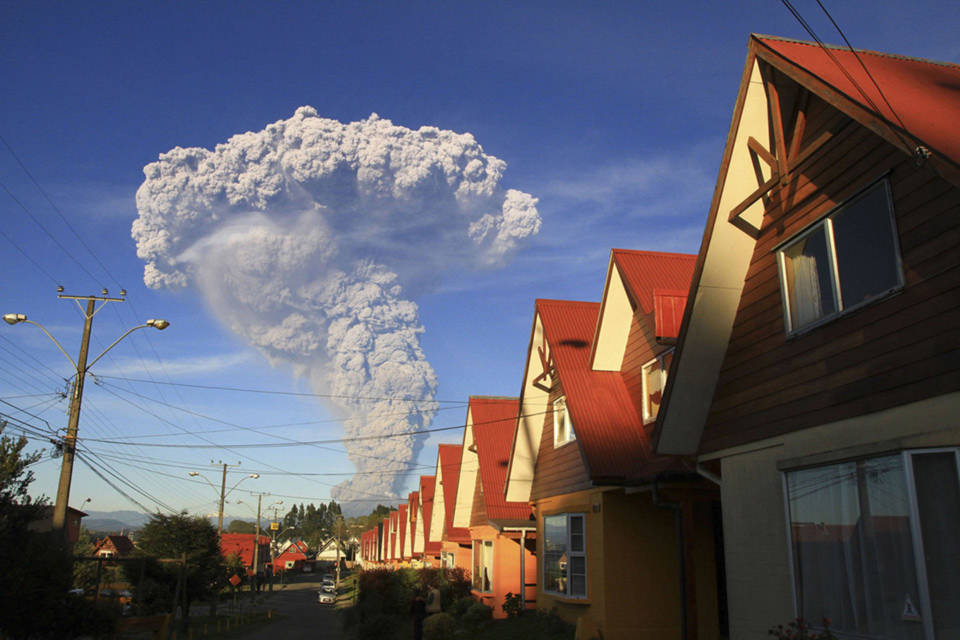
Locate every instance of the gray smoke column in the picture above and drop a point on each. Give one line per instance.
(309, 239)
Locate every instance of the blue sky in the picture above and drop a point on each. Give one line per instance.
(613, 115)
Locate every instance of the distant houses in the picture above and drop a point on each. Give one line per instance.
(769, 429)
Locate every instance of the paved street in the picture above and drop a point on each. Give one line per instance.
(302, 616)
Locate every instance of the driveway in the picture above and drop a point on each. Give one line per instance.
(302, 616)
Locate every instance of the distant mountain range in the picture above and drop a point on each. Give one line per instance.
(116, 521)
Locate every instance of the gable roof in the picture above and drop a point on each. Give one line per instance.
(402, 526)
(609, 432)
(494, 419)
(428, 486)
(240, 544)
(121, 544)
(921, 94)
(924, 94)
(644, 272)
(449, 460)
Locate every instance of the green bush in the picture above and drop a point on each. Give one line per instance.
(460, 606)
(439, 626)
(477, 615)
(379, 627)
(511, 604)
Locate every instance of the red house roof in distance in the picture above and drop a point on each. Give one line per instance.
(428, 485)
(450, 463)
(607, 427)
(644, 272)
(121, 544)
(923, 93)
(240, 544)
(494, 421)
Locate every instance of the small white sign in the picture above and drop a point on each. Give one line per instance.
(909, 611)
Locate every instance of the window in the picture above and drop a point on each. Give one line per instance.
(654, 378)
(844, 261)
(874, 544)
(562, 425)
(564, 555)
(483, 565)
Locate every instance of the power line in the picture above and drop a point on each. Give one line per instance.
(288, 393)
(36, 221)
(57, 209)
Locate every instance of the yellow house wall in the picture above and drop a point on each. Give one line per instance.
(759, 582)
(633, 582)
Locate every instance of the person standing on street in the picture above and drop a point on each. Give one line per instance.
(418, 611)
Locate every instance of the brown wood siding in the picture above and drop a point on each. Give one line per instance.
(642, 347)
(898, 350)
(559, 470)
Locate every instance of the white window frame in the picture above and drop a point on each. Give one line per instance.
(567, 423)
(473, 564)
(649, 416)
(570, 554)
(826, 223)
(919, 559)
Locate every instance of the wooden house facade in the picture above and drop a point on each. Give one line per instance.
(818, 368)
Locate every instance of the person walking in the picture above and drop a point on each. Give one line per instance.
(434, 601)
(418, 611)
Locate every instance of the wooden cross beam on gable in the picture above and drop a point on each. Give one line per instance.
(782, 160)
(546, 368)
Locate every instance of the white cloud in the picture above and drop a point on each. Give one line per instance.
(309, 238)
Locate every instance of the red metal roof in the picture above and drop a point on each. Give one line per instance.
(607, 427)
(428, 485)
(241, 544)
(923, 93)
(668, 306)
(494, 420)
(450, 464)
(645, 271)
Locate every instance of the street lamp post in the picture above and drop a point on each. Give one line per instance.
(81, 366)
(223, 489)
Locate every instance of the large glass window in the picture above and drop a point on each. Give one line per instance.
(564, 555)
(483, 565)
(844, 261)
(874, 545)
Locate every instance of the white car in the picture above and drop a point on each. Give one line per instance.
(326, 598)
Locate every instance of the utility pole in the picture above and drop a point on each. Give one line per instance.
(70, 441)
(81, 367)
(256, 546)
(223, 497)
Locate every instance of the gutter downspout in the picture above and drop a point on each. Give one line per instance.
(678, 521)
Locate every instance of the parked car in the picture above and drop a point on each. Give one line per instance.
(326, 598)
(328, 587)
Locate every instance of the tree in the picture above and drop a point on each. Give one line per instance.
(37, 566)
(171, 538)
(241, 526)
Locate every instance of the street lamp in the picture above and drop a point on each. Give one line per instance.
(81, 367)
(223, 489)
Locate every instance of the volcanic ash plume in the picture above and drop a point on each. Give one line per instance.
(308, 238)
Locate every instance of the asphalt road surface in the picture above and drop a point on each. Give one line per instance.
(301, 615)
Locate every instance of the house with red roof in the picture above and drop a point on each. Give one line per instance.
(113, 547)
(403, 528)
(502, 533)
(426, 548)
(455, 544)
(626, 538)
(242, 546)
(817, 368)
(413, 505)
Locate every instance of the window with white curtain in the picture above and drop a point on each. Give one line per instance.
(483, 565)
(565, 554)
(847, 259)
(654, 380)
(874, 545)
(562, 424)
